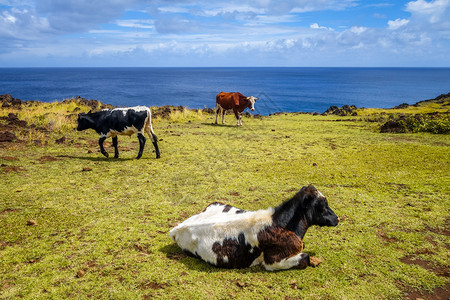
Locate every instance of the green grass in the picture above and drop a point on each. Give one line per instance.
(102, 224)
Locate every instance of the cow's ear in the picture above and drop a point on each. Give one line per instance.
(301, 195)
(310, 189)
(307, 194)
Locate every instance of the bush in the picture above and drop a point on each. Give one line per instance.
(434, 123)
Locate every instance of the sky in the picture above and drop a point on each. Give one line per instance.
(224, 33)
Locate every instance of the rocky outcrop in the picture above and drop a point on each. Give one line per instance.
(92, 104)
(346, 110)
(8, 101)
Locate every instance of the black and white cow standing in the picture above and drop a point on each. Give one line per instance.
(120, 121)
(229, 237)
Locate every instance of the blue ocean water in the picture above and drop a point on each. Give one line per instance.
(279, 89)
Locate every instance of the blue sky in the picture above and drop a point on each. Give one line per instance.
(310, 33)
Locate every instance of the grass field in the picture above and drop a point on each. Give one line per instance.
(74, 224)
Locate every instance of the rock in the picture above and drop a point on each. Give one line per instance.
(346, 110)
(31, 222)
(314, 261)
(8, 101)
(403, 105)
(92, 104)
(80, 273)
(61, 140)
(13, 120)
(6, 136)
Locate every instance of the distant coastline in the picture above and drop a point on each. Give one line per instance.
(7, 100)
(279, 89)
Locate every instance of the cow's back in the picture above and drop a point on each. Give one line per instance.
(227, 100)
(126, 121)
(221, 230)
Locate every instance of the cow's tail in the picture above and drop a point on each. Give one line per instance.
(218, 107)
(151, 134)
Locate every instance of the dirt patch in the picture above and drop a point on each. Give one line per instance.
(176, 256)
(385, 238)
(8, 210)
(9, 158)
(441, 293)
(142, 248)
(442, 231)
(46, 158)
(437, 269)
(145, 285)
(7, 168)
(438, 294)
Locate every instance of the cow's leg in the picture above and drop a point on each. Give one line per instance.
(154, 139)
(155, 144)
(102, 150)
(238, 117)
(141, 138)
(299, 261)
(223, 116)
(116, 150)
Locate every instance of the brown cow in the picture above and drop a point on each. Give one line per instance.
(233, 101)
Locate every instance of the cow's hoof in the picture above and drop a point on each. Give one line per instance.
(116, 156)
(304, 261)
(106, 154)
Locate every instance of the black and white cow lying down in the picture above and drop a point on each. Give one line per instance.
(120, 121)
(229, 237)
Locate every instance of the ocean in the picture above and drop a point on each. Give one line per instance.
(278, 89)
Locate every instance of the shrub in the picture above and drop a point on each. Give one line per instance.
(438, 123)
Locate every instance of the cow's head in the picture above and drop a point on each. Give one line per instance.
(315, 206)
(251, 103)
(83, 122)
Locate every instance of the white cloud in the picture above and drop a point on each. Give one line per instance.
(316, 26)
(397, 23)
(22, 25)
(358, 29)
(433, 11)
(143, 24)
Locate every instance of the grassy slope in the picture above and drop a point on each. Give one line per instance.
(103, 232)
